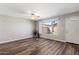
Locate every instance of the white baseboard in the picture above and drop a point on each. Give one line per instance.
(54, 39)
(2, 42)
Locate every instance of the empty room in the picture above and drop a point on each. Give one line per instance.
(39, 28)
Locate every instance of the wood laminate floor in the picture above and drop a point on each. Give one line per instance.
(39, 47)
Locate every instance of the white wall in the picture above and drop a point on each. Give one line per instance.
(14, 28)
(60, 31)
(68, 29)
(72, 28)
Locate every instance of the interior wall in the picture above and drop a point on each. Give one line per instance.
(60, 30)
(12, 28)
(72, 28)
(68, 29)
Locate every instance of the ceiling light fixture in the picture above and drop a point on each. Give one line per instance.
(34, 17)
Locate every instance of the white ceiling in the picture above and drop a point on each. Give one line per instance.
(44, 10)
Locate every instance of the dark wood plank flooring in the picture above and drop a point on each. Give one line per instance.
(40, 47)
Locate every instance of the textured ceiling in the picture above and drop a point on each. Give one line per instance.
(44, 10)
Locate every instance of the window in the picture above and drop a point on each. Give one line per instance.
(49, 27)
